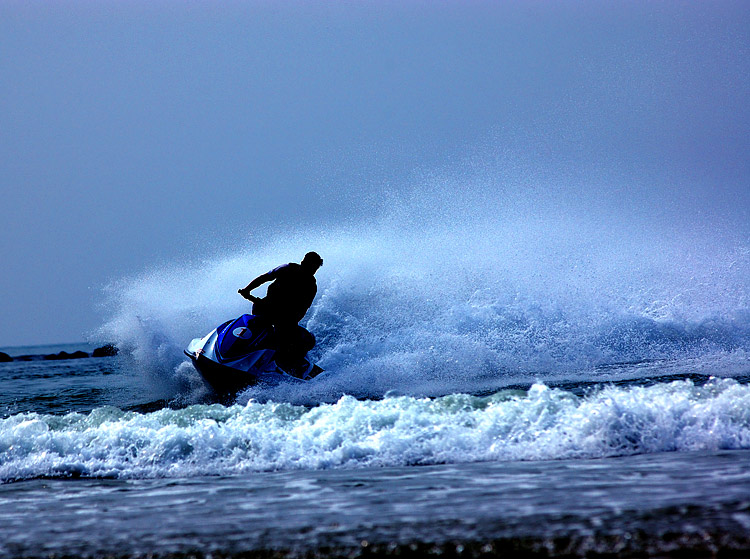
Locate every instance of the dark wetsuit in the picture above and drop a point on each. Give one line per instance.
(290, 295)
(287, 300)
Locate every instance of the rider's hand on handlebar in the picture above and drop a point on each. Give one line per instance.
(246, 294)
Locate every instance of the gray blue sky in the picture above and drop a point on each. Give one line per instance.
(137, 134)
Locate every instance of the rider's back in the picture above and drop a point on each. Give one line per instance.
(291, 293)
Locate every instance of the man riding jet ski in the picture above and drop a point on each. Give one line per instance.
(268, 343)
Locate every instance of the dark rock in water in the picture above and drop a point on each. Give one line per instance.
(105, 351)
(28, 358)
(66, 355)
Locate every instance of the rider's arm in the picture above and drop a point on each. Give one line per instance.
(257, 282)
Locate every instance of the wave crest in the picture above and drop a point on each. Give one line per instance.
(539, 424)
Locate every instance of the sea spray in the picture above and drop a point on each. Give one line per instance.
(539, 424)
(469, 293)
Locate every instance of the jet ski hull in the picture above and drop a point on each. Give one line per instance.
(241, 353)
(222, 379)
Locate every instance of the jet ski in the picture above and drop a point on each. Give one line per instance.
(241, 353)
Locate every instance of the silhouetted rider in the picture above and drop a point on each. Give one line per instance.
(287, 300)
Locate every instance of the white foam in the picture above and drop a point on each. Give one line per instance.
(541, 424)
(452, 293)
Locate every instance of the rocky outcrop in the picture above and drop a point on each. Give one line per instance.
(105, 351)
(66, 355)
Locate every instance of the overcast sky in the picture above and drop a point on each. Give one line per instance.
(136, 134)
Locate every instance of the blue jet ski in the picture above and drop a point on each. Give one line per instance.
(241, 353)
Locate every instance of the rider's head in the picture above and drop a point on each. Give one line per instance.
(312, 261)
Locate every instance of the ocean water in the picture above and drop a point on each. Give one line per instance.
(522, 383)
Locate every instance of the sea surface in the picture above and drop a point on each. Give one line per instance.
(492, 387)
(627, 465)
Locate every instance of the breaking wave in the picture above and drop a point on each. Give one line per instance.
(542, 423)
